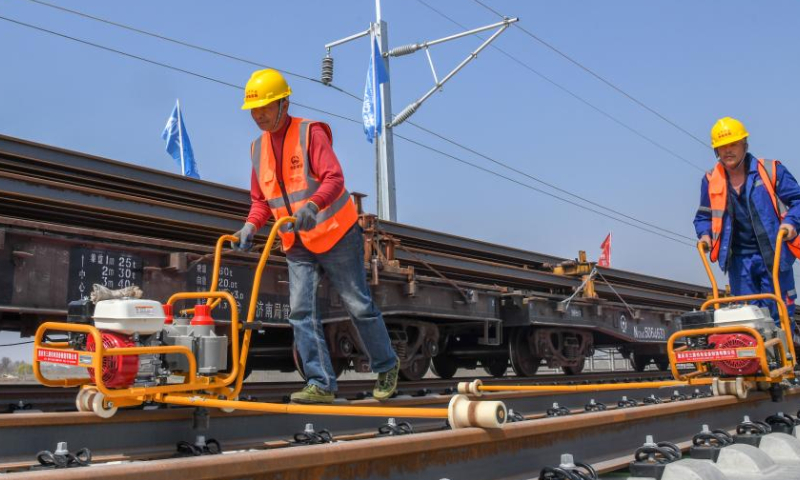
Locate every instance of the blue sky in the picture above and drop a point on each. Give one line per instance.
(692, 62)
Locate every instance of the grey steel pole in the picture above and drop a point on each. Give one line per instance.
(384, 145)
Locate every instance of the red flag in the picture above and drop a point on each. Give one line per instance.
(605, 255)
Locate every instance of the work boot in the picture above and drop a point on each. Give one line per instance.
(387, 383)
(312, 394)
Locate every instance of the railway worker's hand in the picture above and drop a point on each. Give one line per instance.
(306, 218)
(707, 240)
(790, 231)
(245, 236)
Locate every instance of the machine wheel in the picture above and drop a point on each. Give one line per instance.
(523, 362)
(229, 410)
(444, 366)
(339, 364)
(576, 370)
(99, 408)
(741, 388)
(415, 370)
(640, 361)
(82, 400)
(495, 367)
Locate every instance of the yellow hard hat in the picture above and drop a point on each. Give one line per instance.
(264, 87)
(727, 130)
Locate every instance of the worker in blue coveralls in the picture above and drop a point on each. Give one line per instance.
(744, 201)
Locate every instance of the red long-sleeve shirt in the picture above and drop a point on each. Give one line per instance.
(324, 165)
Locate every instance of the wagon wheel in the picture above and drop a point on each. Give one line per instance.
(523, 361)
(495, 367)
(577, 369)
(415, 370)
(444, 366)
(640, 361)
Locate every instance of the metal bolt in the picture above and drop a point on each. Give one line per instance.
(309, 428)
(567, 461)
(61, 449)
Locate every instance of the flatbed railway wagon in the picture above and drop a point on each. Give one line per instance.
(71, 220)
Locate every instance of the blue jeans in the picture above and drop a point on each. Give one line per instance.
(749, 274)
(344, 267)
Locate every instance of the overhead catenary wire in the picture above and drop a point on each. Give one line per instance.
(15, 344)
(599, 77)
(189, 45)
(424, 129)
(161, 64)
(352, 120)
(576, 96)
(354, 96)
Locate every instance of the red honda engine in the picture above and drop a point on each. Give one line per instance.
(734, 340)
(119, 370)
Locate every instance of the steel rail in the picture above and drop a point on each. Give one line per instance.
(99, 167)
(518, 451)
(149, 184)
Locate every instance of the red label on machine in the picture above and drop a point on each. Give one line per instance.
(57, 356)
(714, 355)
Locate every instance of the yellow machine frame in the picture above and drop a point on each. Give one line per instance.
(221, 390)
(786, 352)
(698, 377)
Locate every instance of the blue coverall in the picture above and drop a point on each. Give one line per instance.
(750, 269)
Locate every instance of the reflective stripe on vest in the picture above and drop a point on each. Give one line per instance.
(300, 185)
(718, 196)
(770, 184)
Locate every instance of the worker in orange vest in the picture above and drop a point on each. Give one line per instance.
(744, 201)
(296, 173)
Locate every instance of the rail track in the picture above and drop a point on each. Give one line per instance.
(141, 443)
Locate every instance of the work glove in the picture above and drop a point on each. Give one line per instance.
(306, 217)
(245, 236)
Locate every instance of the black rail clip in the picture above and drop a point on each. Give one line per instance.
(698, 394)
(558, 411)
(514, 416)
(707, 444)
(569, 469)
(651, 400)
(782, 423)
(678, 396)
(749, 432)
(309, 436)
(594, 406)
(626, 402)
(651, 459)
(19, 407)
(61, 458)
(200, 447)
(392, 428)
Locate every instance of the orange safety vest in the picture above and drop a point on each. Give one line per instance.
(718, 195)
(299, 184)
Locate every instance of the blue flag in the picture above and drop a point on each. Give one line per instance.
(371, 111)
(178, 144)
